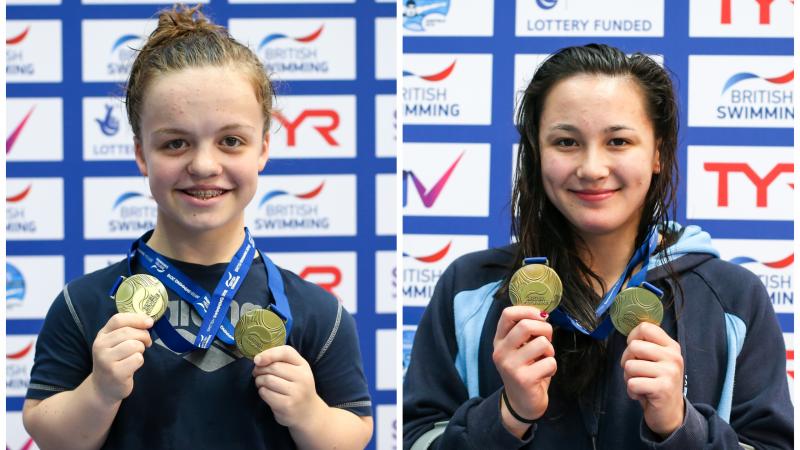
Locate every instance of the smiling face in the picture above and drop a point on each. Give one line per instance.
(598, 153)
(201, 146)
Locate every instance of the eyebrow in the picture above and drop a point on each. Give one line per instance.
(232, 126)
(574, 129)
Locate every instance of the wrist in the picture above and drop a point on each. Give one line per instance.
(312, 418)
(98, 398)
(670, 427)
(515, 426)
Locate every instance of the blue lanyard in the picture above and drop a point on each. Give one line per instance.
(642, 255)
(212, 308)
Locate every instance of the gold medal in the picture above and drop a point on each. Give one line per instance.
(536, 285)
(259, 330)
(142, 293)
(634, 306)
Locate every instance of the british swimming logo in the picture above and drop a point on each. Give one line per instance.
(123, 52)
(109, 125)
(283, 53)
(778, 264)
(776, 276)
(19, 361)
(33, 51)
(726, 91)
(19, 354)
(420, 15)
(429, 101)
(447, 89)
(15, 56)
(433, 257)
(294, 211)
(15, 286)
(742, 76)
(435, 77)
(14, 40)
(17, 220)
(770, 261)
(12, 138)
(132, 212)
(303, 39)
(419, 280)
(428, 196)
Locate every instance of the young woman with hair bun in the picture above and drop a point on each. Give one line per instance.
(213, 371)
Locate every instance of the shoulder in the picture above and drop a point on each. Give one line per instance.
(306, 297)
(474, 270)
(317, 314)
(470, 280)
(98, 282)
(738, 290)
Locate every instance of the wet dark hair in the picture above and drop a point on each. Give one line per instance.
(539, 227)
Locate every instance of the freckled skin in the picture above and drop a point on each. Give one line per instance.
(203, 159)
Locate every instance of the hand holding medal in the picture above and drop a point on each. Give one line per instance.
(653, 369)
(523, 351)
(117, 353)
(536, 284)
(141, 293)
(259, 330)
(636, 305)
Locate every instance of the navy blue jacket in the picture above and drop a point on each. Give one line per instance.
(603, 416)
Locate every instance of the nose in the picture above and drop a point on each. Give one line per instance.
(204, 162)
(594, 164)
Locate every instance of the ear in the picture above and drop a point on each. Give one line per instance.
(139, 154)
(263, 157)
(657, 159)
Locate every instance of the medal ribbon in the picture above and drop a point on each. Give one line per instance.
(212, 308)
(642, 255)
(275, 284)
(171, 338)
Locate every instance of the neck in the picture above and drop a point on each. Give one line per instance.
(198, 247)
(607, 255)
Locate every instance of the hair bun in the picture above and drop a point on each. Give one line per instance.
(180, 21)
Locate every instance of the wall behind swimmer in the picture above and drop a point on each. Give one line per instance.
(324, 207)
(463, 69)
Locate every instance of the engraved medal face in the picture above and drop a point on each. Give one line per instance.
(536, 285)
(259, 330)
(634, 306)
(142, 293)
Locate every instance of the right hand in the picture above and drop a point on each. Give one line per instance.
(118, 352)
(525, 358)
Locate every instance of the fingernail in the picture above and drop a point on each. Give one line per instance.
(544, 314)
(149, 321)
(257, 360)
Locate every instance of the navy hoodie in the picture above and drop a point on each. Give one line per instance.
(451, 376)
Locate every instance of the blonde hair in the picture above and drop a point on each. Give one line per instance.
(185, 38)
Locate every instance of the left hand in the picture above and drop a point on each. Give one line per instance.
(653, 368)
(285, 382)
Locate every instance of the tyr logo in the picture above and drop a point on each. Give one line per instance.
(761, 184)
(324, 130)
